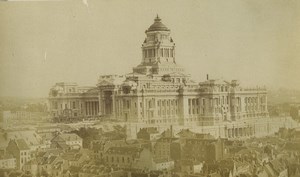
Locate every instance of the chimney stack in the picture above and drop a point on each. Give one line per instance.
(207, 77)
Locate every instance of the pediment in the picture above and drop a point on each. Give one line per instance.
(105, 83)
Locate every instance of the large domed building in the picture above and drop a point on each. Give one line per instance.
(160, 92)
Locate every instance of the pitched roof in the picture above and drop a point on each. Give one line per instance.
(22, 144)
(48, 159)
(186, 133)
(277, 166)
(67, 137)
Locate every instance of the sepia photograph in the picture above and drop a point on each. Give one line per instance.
(160, 88)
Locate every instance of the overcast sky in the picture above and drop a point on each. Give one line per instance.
(41, 43)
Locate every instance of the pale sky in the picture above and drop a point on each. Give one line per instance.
(41, 43)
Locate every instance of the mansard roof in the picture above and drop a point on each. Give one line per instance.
(157, 25)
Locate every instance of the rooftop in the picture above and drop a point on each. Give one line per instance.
(157, 25)
(22, 145)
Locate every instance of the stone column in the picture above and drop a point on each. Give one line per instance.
(94, 107)
(101, 110)
(113, 104)
(86, 108)
(97, 108)
(89, 106)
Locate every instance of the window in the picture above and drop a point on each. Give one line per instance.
(74, 105)
(128, 104)
(55, 105)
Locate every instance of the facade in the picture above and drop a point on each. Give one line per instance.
(7, 161)
(20, 151)
(68, 101)
(122, 157)
(149, 134)
(159, 92)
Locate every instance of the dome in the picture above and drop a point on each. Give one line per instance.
(157, 25)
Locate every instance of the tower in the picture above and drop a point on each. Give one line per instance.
(158, 51)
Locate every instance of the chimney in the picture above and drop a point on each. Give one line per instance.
(207, 77)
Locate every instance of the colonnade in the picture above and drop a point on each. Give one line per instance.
(239, 132)
(91, 108)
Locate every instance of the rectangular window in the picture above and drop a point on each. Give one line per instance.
(55, 105)
(128, 104)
